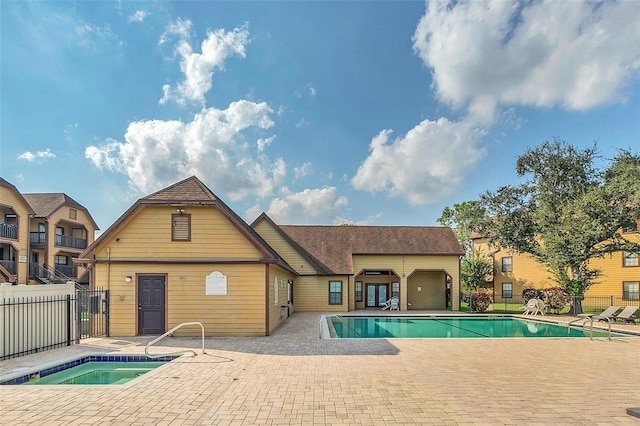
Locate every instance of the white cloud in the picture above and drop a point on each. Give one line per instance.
(180, 28)
(264, 142)
(572, 54)
(138, 16)
(40, 156)
(198, 68)
(212, 146)
(302, 171)
(321, 205)
(425, 166)
(93, 36)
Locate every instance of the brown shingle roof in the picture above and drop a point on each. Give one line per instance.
(7, 184)
(335, 245)
(45, 204)
(191, 192)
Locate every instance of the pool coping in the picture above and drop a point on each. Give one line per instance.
(22, 376)
(327, 331)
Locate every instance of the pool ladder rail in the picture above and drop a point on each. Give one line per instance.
(157, 339)
(589, 317)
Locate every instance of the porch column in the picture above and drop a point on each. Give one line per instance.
(404, 293)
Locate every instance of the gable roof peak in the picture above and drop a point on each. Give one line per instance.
(190, 189)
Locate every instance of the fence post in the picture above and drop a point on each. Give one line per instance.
(68, 320)
(78, 315)
(106, 312)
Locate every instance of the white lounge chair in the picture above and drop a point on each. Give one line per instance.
(394, 304)
(531, 307)
(391, 304)
(540, 306)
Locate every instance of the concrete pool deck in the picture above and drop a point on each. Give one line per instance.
(293, 378)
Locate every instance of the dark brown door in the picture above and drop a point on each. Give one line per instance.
(151, 304)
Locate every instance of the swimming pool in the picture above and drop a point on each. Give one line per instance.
(89, 370)
(362, 327)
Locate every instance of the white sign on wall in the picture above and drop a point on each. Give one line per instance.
(216, 284)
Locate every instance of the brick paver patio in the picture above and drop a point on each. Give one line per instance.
(293, 378)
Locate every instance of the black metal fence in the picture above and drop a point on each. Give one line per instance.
(588, 304)
(40, 323)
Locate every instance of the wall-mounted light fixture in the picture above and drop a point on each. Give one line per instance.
(127, 278)
(180, 211)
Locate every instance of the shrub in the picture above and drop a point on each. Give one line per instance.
(556, 298)
(532, 293)
(482, 298)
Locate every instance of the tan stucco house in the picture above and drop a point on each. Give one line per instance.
(181, 255)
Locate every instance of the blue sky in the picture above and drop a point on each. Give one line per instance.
(377, 113)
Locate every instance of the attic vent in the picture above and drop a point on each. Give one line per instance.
(180, 227)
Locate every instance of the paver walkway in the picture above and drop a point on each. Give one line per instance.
(293, 378)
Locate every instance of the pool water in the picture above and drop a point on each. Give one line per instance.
(92, 369)
(450, 327)
(97, 373)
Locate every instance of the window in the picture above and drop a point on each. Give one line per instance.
(358, 291)
(507, 264)
(395, 289)
(631, 290)
(629, 259)
(181, 227)
(60, 260)
(335, 292)
(73, 214)
(507, 290)
(60, 240)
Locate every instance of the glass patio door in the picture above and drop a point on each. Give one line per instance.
(377, 294)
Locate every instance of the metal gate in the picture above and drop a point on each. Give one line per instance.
(92, 313)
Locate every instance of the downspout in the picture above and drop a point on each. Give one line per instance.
(459, 284)
(108, 267)
(26, 279)
(266, 299)
(47, 237)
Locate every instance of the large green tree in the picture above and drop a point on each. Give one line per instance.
(462, 218)
(567, 211)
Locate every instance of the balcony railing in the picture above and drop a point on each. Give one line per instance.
(8, 231)
(68, 271)
(9, 265)
(72, 242)
(37, 238)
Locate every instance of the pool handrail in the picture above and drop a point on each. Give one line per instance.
(590, 317)
(157, 339)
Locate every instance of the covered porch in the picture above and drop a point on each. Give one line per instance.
(419, 290)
